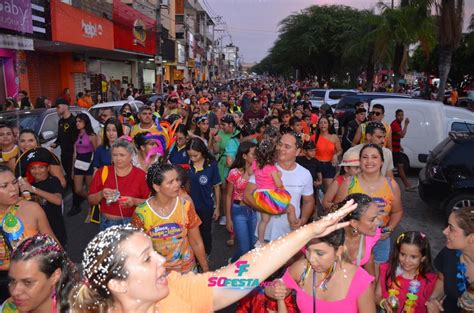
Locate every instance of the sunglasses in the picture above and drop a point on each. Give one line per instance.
(375, 113)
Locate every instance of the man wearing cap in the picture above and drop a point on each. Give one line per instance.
(375, 134)
(256, 112)
(227, 143)
(145, 115)
(204, 105)
(351, 128)
(67, 131)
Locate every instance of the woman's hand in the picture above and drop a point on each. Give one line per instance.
(277, 290)
(328, 223)
(229, 225)
(108, 193)
(387, 307)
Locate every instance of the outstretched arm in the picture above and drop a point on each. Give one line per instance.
(259, 264)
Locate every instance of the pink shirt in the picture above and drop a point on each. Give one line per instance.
(360, 282)
(263, 178)
(370, 242)
(84, 144)
(236, 179)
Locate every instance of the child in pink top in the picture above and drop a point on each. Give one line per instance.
(408, 279)
(270, 195)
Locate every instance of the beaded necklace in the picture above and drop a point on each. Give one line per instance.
(461, 274)
(413, 289)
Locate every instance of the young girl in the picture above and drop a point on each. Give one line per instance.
(407, 281)
(270, 194)
(205, 187)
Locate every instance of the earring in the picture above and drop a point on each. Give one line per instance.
(355, 231)
(54, 300)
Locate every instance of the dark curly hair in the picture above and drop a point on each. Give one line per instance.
(266, 153)
(156, 174)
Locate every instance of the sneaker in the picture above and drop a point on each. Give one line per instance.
(222, 221)
(73, 211)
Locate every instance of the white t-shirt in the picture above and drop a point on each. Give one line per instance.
(387, 157)
(298, 182)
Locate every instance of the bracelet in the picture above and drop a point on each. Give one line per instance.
(382, 302)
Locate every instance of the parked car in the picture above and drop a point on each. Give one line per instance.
(346, 106)
(430, 124)
(43, 121)
(447, 180)
(329, 96)
(148, 99)
(116, 105)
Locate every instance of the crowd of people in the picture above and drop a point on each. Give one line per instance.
(310, 203)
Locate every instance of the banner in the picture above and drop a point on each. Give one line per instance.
(16, 15)
(133, 30)
(75, 26)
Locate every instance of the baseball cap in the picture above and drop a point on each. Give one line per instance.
(309, 145)
(204, 100)
(60, 100)
(255, 99)
(228, 119)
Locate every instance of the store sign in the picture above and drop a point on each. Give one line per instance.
(83, 28)
(16, 15)
(133, 30)
(16, 43)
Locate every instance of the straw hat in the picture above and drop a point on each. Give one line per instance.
(350, 158)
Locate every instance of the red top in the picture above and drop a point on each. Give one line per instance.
(424, 294)
(133, 185)
(396, 138)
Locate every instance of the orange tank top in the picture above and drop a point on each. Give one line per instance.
(325, 149)
(382, 196)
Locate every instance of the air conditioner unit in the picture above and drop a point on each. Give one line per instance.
(165, 2)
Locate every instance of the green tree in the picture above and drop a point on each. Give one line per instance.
(450, 23)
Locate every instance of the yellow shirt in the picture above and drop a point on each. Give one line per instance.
(169, 234)
(136, 129)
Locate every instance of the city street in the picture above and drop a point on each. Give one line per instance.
(418, 216)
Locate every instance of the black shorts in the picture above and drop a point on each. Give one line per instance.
(398, 157)
(328, 171)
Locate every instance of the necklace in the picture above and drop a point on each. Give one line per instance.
(413, 289)
(461, 274)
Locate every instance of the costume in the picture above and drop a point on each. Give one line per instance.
(268, 197)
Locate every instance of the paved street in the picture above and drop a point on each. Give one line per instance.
(418, 216)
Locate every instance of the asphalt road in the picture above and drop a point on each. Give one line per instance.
(418, 216)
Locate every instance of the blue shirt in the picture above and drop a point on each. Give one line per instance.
(102, 157)
(202, 187)
(179, 156)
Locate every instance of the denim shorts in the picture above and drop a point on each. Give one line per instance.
(107, 222)
(382, 251)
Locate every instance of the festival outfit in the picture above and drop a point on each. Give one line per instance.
(36, 153)
(298, 182)
(360, 282)
(15, 231)
(268, 197)
(383, 197)
(325, 150)
(447, 262)
(244, 218)
(396, 142)
(136, 129)
(84, 152)
(425, 290)
(202, 181)
(169, 234)
(132, 185)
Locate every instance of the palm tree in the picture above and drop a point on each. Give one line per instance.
(450, 21)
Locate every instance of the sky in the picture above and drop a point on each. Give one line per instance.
(253, 24)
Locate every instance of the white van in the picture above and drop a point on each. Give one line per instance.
(430, 123)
